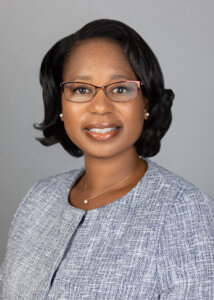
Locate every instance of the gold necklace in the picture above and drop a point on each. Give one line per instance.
(95, 195)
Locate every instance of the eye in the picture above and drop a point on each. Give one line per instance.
(81, 90)
(120, 89)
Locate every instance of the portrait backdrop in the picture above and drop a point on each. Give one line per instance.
(181, 35)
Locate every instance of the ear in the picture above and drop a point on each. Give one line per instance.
(146, 103)
(146, 108)
(61, 116)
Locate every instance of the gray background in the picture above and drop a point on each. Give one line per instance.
(180, 34)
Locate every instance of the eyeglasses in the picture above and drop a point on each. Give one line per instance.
(121, 91)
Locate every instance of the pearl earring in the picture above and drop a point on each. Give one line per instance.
(61, 115)
(146, 114)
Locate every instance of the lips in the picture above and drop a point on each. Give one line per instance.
(102, 125)
(102, 131)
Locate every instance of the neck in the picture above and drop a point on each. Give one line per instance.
(106, 172)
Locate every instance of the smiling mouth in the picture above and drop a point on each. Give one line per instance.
(101, 134)
(102, 130)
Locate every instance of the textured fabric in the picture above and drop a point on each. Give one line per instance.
(156, 242)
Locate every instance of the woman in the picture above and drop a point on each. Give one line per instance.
(121, 227)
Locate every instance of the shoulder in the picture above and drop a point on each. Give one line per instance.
(50, 186)
(45, 194)
(175, 188)
(181, 202)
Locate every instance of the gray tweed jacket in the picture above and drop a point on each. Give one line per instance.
(156, 242)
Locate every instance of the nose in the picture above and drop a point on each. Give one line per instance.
(101, 104)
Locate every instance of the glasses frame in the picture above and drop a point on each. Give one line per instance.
(62, 85)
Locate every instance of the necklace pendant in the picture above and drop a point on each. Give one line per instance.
(85, 201)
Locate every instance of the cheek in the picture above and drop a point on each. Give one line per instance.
(71, 116)
(134, 117)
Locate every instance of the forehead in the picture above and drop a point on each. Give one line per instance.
(97, 55)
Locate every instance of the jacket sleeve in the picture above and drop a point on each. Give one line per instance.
(11, 234)
(185, 264)
(1, 279)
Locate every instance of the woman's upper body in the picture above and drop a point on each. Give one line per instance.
(105, 99)
(156, 242)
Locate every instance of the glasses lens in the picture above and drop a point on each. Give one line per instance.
(78, 91)
(122, 91)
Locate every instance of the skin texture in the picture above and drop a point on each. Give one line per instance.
(102, 61)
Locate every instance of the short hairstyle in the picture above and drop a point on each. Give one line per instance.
(143, 62)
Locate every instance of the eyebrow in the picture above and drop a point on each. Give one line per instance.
(118, 76)
(82, 77)
(112, 77)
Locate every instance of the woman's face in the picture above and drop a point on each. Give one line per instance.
(100, 62)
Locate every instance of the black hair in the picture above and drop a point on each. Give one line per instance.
(143, 62)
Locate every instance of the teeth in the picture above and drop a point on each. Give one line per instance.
(103, 130)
